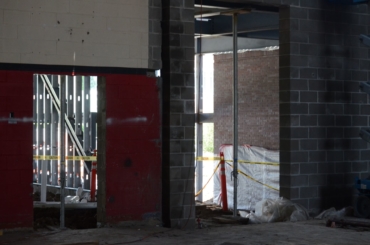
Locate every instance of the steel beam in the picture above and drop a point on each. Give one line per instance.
(216, 44)
(250, 24)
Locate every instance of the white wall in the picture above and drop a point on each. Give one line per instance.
(75, 32)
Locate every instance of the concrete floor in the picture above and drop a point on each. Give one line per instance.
(307, 232)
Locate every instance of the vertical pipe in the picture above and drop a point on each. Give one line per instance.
(235, 113)
(199, 125)
(78, 129)
(54, 135)
(62, 137)
(70, 115)
(86, 127)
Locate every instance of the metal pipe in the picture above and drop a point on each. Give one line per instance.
(86, 127)
(199, 126)
(235, 112)
(62, 136)
(41, 144)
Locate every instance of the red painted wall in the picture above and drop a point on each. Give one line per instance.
(16, 91)
(133, 161)
(133, 148)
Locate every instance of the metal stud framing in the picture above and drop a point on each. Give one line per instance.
(46, 140)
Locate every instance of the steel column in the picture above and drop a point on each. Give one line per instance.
(235, 111)
(78, 129)
(41, 144)
(86, 127)
(62, 137)
(199, 125)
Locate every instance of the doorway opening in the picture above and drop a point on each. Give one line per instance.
(257, 38)
(79, 138)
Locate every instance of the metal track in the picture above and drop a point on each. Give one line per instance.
(70, 129)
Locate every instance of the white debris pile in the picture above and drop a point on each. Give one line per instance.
(278, 210)
(81, 197)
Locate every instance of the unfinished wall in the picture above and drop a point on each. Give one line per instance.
(258, 91)
(69, 32)
(178, 113)
(321, 108)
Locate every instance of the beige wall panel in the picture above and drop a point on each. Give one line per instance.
(10, 58)
(75, 32)
(84, 20)
(15, 17)
(119, 24)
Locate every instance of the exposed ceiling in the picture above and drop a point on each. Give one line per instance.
(258, 25)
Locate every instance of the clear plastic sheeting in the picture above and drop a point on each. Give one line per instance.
(263, 182)
(279, 210)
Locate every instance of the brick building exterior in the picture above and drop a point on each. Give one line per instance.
(258, 91)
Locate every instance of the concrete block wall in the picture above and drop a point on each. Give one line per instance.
(258, 91)
(321, 108)
(70, 32)
(178, 113)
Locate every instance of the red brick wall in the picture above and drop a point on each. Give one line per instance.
(258, 91)
(16, 91)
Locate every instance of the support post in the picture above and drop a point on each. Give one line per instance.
(62, 138)
(78, 128)
(41, 144)
(235, 112)
(87, 127)
(199, 125)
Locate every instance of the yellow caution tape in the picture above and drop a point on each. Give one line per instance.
(259, 182)
(86, 158)
(260, 163)
(214, 171)
(239, 161)
(208, 158)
